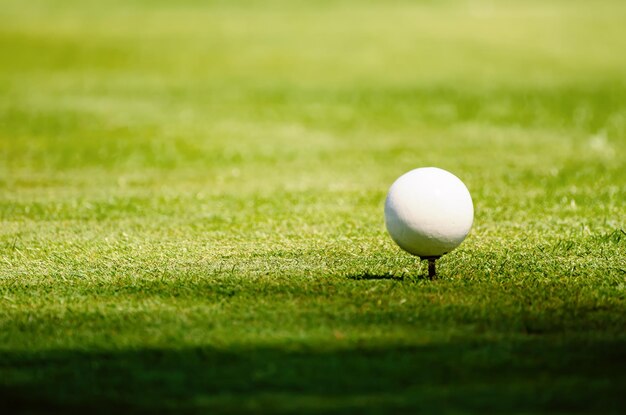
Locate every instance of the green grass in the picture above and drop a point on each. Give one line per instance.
(191, 206)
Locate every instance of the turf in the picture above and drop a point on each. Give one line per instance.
(191, 206)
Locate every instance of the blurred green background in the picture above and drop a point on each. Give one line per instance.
(191, 206)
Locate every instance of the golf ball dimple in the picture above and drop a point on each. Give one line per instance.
(428, 212)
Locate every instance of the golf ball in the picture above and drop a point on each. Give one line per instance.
(428, 212)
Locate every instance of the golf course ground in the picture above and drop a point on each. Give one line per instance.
(192, 192)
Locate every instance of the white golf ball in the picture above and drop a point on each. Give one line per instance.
(428, 212)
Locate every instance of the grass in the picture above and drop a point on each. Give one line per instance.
(191, 206)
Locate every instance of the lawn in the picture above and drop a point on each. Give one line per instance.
(191, 206)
